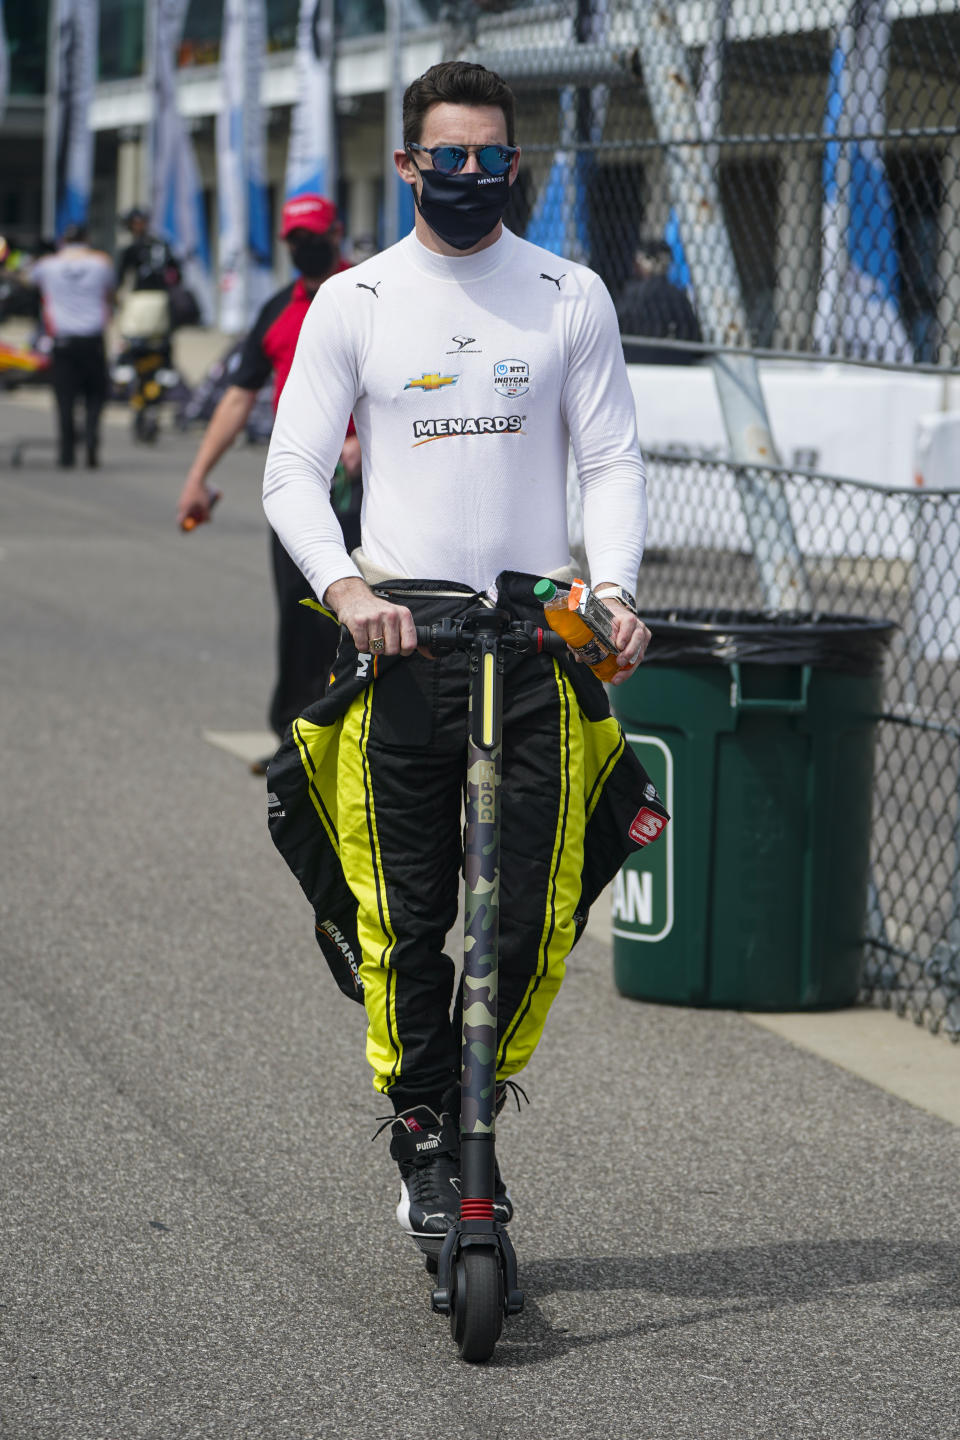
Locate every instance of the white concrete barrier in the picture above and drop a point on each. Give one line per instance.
(936, 595)
(856, 424)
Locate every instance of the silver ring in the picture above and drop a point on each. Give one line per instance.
(377, 645)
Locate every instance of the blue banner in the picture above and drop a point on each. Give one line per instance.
(75, 64)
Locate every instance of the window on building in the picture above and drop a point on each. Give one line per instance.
(200, 44)
(120, 46)
(368, 17)
(26, 27)
(282, 24)
(204, 24)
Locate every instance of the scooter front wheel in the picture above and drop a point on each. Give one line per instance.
(476, 1314)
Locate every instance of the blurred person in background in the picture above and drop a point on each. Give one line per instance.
(77, 286)
(306, 642)
(148, 258)
(157, 302)
(652, 305)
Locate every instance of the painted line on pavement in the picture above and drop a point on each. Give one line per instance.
(248, 745)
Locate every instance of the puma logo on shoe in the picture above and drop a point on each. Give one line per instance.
(432, 1142)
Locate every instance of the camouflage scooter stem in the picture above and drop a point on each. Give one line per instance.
(482, 924)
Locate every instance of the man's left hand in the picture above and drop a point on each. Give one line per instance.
(632, 638)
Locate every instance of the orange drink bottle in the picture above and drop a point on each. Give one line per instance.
(191, 521)
(584, 622)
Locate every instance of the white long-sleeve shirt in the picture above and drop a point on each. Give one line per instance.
(467, 377)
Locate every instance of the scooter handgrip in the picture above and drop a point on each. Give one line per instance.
(551, 643)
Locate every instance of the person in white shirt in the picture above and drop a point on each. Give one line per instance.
(77, 289)
(470, 360)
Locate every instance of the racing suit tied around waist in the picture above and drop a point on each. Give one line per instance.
(365, 806)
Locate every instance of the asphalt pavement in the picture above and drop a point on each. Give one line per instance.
(720, 1233)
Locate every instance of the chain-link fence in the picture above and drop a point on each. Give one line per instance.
(778, 180)
(789, 170)
(864, 551)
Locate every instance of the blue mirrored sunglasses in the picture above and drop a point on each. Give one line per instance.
(450, 159)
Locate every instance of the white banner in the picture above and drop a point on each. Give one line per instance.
(70, 139)
(858, 307)
(245, 274)
(176, 201)
(311, 158)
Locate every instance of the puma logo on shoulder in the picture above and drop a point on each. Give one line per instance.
(371, 288)
(555, 278)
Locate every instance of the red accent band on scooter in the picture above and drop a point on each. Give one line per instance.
(476, 1209)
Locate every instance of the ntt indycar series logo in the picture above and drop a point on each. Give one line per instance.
(425, 430)
(511, 378)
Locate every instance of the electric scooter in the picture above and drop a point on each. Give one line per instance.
(476, 1270)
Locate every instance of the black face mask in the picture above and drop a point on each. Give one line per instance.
(312, 255)
(462, 209)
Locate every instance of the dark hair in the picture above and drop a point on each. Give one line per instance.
(455, 82)
(654, 249)
(73, 235)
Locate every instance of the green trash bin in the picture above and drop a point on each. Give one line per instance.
(758, 730)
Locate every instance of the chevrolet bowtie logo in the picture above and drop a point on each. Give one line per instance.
(431, 382)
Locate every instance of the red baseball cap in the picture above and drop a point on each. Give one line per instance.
(308, 212)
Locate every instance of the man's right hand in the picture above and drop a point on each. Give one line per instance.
(197, 499)
(369, 618)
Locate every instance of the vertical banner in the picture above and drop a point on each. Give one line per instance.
(4, 65)
(244, 225)
(398, 206)
(176, 199)
(311, 158)
(69, 145)
(858, 306)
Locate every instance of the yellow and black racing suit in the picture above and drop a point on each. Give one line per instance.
(365, 806)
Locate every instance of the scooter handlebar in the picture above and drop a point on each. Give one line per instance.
(522, 637)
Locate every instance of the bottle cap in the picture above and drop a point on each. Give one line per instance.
(544, 590)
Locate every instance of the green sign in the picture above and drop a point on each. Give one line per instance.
(643, 891)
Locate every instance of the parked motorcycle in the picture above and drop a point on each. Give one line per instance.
(144, 377)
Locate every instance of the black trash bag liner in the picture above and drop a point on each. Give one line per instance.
(855, 644)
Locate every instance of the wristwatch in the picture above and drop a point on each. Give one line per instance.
(617, 592)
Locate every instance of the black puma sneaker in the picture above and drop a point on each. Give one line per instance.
(502, 1204)
(427, 1150)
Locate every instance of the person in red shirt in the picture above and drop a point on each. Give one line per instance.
(306, 644)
